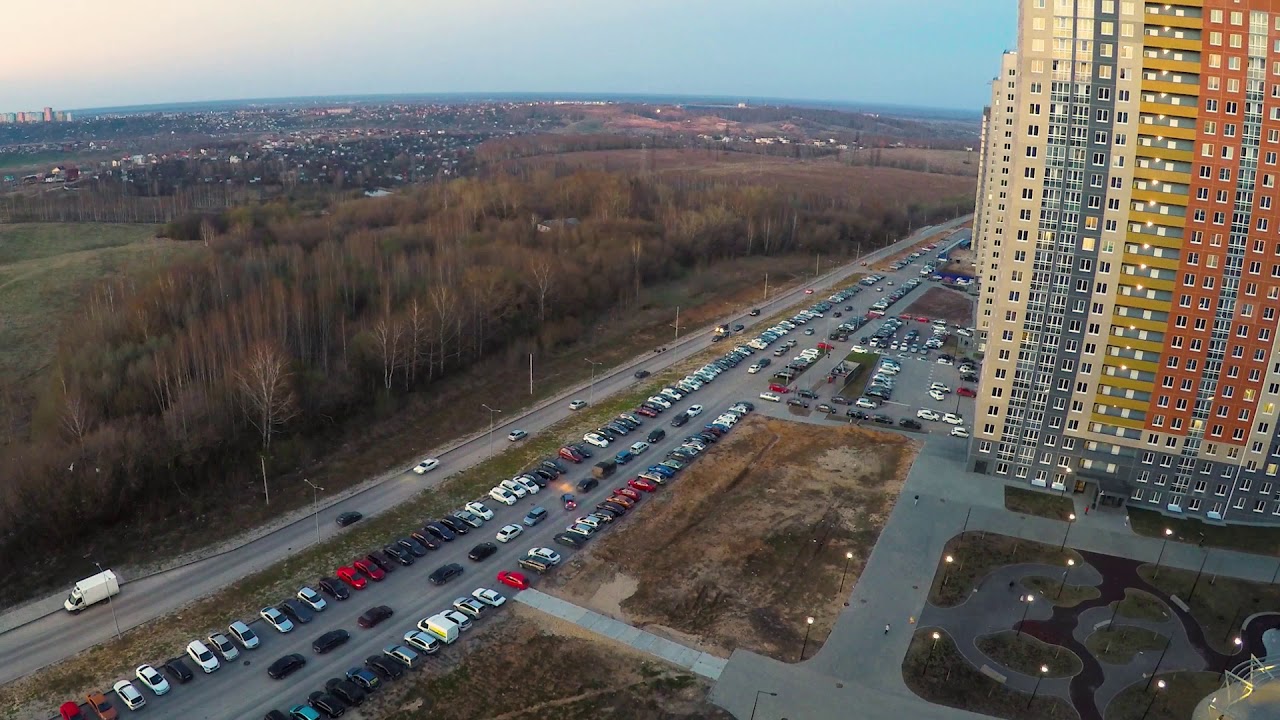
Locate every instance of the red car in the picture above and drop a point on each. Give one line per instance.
(70, 711)
(922, 319)
(513, 579)
(625, 501)
(645, 412)
(351, 577)
(966, 392)
(367, 567)
(627, 492)
(642, 484)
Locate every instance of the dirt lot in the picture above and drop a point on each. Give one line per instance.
(750, 540)
(939, 302)
(527, 665)
(961, 262)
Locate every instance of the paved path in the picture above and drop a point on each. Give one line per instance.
(704, 664)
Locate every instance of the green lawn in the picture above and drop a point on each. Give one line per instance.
(1041, 503)
(1260, 540)
(856, 381)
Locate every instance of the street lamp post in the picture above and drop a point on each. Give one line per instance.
(946, 571)
(936, 635)
(110, 604)
(1196, 582)
(1159, 687)
(1232, 627)
(1044, 669)
(1160, 660)
(315, 505)
(757, 702)
(1028, 599)
(848, 557)
(1070, 564)
(1070, 521)
(492, 412)
(1226, 663)
(591, 397)
(1167, 533)
(808, 625)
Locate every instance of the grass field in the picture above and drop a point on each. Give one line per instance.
(45, 269)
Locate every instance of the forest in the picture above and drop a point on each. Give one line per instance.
(294, 325)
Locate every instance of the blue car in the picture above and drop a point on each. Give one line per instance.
(623, 457)
(665, 472)
(364, 678)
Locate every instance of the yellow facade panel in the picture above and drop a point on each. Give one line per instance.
(1160, 197)
(1152, 41)
(1123, 402)
(1172, 88)
(1174, 21)
(1151, 173)
(1124, 383)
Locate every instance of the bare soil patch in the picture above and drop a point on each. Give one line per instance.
(938, 302)
(745, 544)
(961, 262)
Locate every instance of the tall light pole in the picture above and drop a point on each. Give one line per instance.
(929, 661)
(757, 702)
(947, 569)
(1070, 521)
(110, 604)
(808, 625)
(591, 397)
(1159, 661)
(1159, 687)
(677, 325)
(1070, 563)
(848, 557)
(1044, 669)
(315, 505)
(492, 412)
(1028, 599)
(766, 287)
(1167, 533)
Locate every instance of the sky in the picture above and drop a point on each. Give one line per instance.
(74, 54)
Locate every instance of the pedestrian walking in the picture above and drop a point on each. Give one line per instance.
(917, 502)
(886, 628)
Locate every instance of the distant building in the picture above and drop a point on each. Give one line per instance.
(557, 224)
(48, 114)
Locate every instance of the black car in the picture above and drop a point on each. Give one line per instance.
(570, 539)
(825, 408)
(285, 666)
(856, 414)
(609, 433)
(679, 420)
(582, 449)
(554, 466)
(739, 328)
(642, 374)
(383, 667)
(883, 419)
(381, 560)
(540, 477)
(413, 546)
(374, 615)
(399, 554)
(615, 507)
(275, 715)
(425, 539)
(587, 484)
(178, 670)
(482, 551)
(656, 435)
(807, 394)
(345, 690)
(326, 703)
(440, 531)
(334, 588)
(348, 518)
(445, 573)
(909, 424)
(754, 312)
(707, 437)
(330, 640)
(797, 402)
(364, 678)
(840, 400)
(296, 611)
(454, 524)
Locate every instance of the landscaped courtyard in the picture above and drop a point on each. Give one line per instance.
(1021, 629)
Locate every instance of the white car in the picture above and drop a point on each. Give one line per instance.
(577, 404)
(937, 395)
(960, 432)
(421, 641)
(944, 361)
(225, 648)
(516, 435)
(547, 554)
(426, 466)
(514, 488)
(929, 415)
(866, 403)
(243, 635)
(462, 621)
(152, 679)
(660, 401)
(940, 387)
(492, 598)
(596, 439)
(637, 448)
(201, 655)
(503, 495)
(693, 411)
(727, 419)
(509, 533)
(952, 419)
(771, 397)
(753, 369)
(479, 509)
(129, 695)
(589, 520)
(312, 599)
(859, 348)
(530, 486)
(276, 619)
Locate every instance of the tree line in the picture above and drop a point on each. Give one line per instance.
(295, 325)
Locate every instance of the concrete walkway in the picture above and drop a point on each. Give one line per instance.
(701, 663)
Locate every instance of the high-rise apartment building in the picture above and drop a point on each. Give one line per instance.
(1128, 231)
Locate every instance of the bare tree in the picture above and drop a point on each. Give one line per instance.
(266, 390)
(387, 334)
(542, 271)
(419, 330)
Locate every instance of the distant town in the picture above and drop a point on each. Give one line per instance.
(48, 115)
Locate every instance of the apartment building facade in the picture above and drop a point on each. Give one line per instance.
(1129, 247)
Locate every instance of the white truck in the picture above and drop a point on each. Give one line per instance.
(93, 589)
(443, 628)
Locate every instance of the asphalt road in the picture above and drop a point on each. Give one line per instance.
(49, 639)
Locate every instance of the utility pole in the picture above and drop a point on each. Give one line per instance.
(315, 505)
(591, 397)
(677, 325)
(112, 604)
(491, 413)
(531, 373)
(817, 264)
(266, 491)
(766, 287)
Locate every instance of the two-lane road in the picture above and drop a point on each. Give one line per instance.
(53, 637)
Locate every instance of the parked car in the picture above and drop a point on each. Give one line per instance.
(276, 619)
(151, 679)
(178, 671)
(513, 579)
(330, 641)
(483, 551)
(374, 615)
(348, 518)
(445, 573)
(351, 577)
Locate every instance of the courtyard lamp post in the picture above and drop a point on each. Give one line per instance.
(1226, 662)
(808, 625)
(1156, 669)
(1196, 582)
(1232, 627)
(1163, 545)
(848, 558)
(947, 569)
(492, 412)
(757, 702)
(1043, 670)
(1028, 599)
(1070, 563)
(1159, 686)
(1070, 521)
(936, 636)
